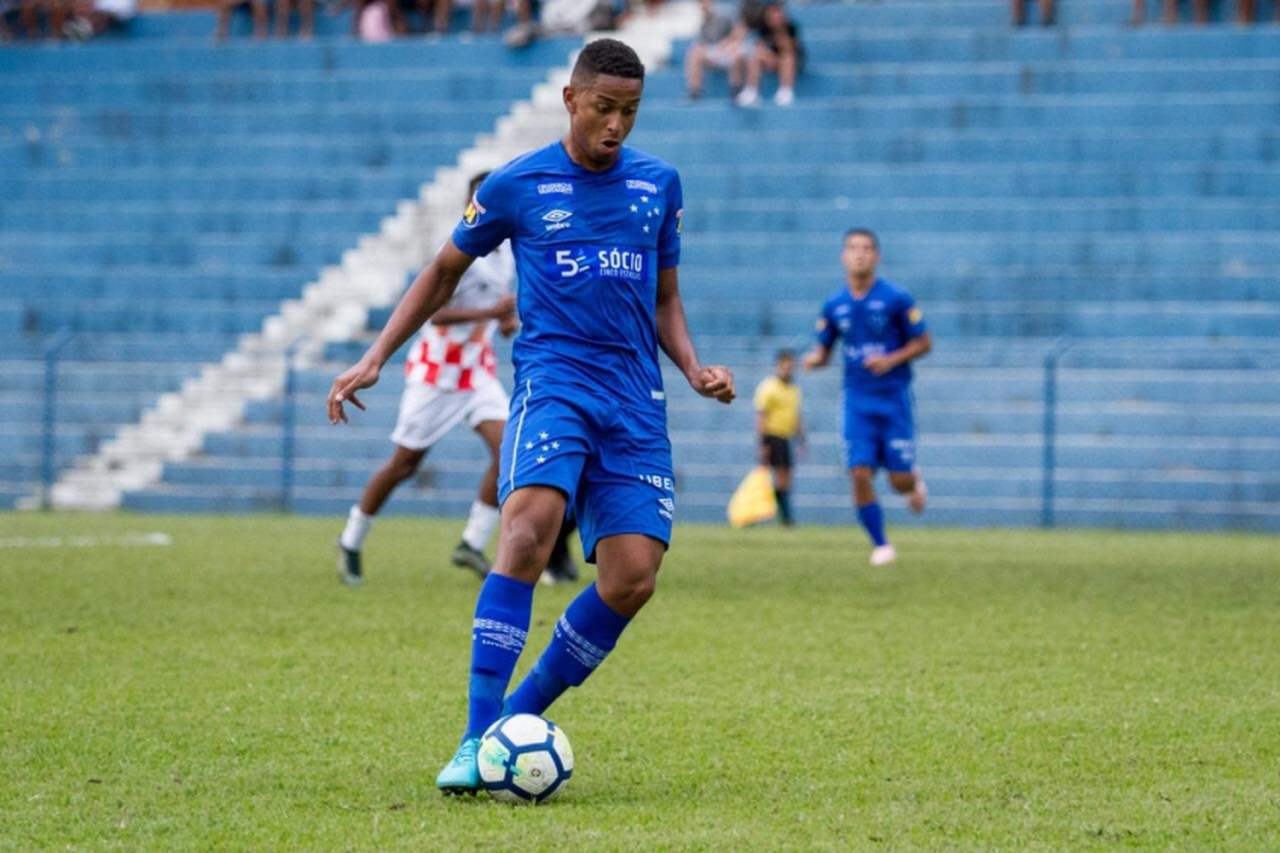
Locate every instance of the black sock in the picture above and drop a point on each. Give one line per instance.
(784, 505)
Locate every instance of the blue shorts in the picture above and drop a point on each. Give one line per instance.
(611, 459)
(881, 435)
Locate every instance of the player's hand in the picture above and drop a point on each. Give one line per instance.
(363, 374)
(509, 325)
(878, 364)
(504, 308)
(812, 361)
(715, 381)
(762, 452)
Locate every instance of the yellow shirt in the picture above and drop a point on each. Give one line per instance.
(780, 403)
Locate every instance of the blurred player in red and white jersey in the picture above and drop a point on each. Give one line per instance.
(450, 377)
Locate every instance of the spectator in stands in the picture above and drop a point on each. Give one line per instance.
(34, 19)
(718, 45)
(1246, 11)
(92, 18)
(306, 17)
(778, 49)
(258, 8)
(374, 20)
(1020, 12)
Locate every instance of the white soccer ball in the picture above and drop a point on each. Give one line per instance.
(524, 759)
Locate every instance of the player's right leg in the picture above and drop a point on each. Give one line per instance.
(543, 453)
(401, 466)
(530, 520)
(862, 441)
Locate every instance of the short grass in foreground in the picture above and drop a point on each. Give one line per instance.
(992, 689)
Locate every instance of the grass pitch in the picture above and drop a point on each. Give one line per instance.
(993, 689)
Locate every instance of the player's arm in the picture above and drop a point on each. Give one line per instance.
(433, 287)
(501, 310)
(817, 357)
(673, 335)
(913, 349)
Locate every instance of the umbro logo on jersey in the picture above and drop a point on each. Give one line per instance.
(556, 219)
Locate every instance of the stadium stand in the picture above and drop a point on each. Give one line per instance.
(1091, 191)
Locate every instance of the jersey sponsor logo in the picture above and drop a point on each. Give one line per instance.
(473, 213)
(642, 185)
(556, 219)
(659, 481)
(842, 309)
(559, 187)
(621, 263)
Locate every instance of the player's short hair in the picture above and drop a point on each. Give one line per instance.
(784, 355)
(606, 56)
(476, 181)
(863, 232)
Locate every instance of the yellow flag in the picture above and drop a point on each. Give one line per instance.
(753, 500)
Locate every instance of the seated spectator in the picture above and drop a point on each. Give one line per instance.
(718, 45)
(778, 49)
(258, 8)
(92, 18)
(1246, 11)
(34, 19)
(373, 21)
(306, 17)
(1020, 12)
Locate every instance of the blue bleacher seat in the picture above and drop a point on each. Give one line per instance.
(1109, 186)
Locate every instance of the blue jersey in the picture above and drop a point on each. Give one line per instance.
(882, 321)
(588, 247)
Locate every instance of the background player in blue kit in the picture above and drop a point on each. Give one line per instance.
(595, 228)
(880, 331)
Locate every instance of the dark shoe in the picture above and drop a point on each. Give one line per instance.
(349, 571)
(466, 557)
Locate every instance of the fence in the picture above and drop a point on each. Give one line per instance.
(1110, 433)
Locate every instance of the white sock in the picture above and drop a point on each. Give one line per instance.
(357, 528)
(480, 524)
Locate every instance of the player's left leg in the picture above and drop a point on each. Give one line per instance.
(900, 456)
(591, 625)
(625, 507)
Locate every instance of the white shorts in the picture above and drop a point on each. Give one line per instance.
(427, 413)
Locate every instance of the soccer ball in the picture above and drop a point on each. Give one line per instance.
(524, 759)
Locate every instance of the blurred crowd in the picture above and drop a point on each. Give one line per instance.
(1246, 11)
(63, 19)
(759, 38)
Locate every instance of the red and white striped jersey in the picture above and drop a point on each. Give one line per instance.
(459, 356)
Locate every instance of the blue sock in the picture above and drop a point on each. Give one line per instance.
(497, 638)
(873, 522)
(585, 634)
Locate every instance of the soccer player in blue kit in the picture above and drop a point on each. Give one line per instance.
(595, 227)
(880, 331)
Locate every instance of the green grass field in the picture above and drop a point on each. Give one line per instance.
(993, 689)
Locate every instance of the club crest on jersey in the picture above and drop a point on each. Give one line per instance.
(473, 213)
(555, 219)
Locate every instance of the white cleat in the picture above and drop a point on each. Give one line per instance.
(918, 497)
(748, 97)
(883, 555)
(785, 96)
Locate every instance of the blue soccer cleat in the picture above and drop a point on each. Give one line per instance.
(461, 775)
